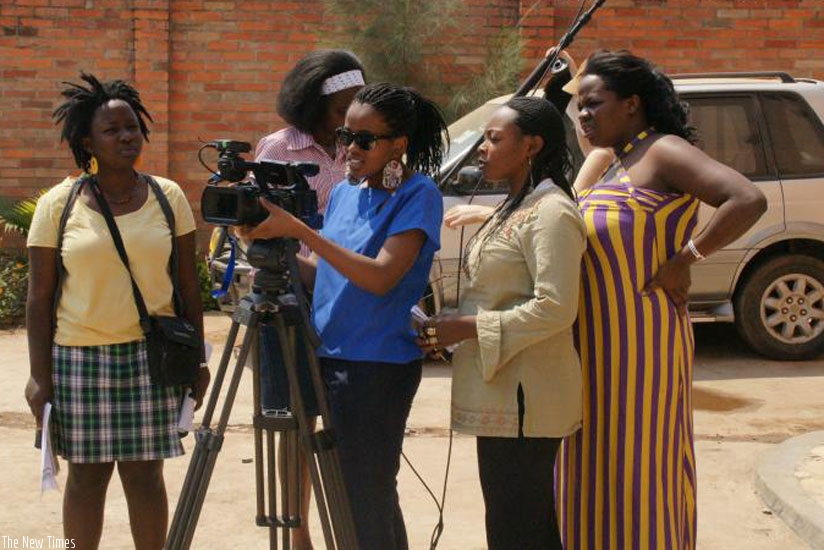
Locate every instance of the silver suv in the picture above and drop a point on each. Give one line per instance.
(770, 282)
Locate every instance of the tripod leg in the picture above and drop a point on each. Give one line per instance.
(265, 480)
(209, 441)
(329, 460)
(287, 343)
(196, 462)
(280, 471)
(321, 452)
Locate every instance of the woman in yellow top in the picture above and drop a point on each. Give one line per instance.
(86, 346)
(517, 379)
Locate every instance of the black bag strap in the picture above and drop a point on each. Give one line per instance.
(165, 207)
(174, 259)
(61, 228)
(145, 324)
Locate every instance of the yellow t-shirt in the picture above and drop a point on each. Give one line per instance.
(97, 305)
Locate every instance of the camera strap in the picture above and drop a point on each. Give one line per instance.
(230, 268)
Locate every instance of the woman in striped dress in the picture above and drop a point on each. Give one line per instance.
(627, 480)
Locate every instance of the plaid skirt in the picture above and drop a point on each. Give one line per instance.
(106, 407)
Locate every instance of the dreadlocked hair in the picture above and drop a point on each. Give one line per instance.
(77, 112)
(408, 113)
(628, 75)
(534, 117)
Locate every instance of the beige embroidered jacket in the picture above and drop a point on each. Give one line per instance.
(523, 286)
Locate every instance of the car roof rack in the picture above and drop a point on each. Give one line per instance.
(785, 77)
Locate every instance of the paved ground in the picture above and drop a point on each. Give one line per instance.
(745, 407)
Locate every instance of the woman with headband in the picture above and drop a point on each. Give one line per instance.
(370, 264)
(313, 100)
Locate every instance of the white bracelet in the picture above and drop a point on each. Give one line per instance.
(204, 365)
(694, 250)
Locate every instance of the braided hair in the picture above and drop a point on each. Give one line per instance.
(300, 101)
(408, 113)
(626, 74)
(77, 112)
(534, 117)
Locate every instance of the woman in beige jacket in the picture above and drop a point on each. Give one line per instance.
(517, 379)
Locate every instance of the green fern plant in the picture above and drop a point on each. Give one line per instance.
(17, 215)
(14, 281)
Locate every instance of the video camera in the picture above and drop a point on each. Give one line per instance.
(281, 183)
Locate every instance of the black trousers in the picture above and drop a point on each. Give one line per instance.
(370, 403)
(518, 488)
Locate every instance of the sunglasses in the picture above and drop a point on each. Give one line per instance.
(363, 139)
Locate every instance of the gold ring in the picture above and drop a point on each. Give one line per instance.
(430, 330)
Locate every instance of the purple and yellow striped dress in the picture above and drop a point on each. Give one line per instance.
(626, 480)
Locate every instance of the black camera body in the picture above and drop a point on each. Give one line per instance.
(281, 183)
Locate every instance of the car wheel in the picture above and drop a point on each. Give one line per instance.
(779, 310)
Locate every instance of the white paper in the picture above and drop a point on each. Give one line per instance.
(49, 466)
(185, 421)
(418, 314)
(187, 414)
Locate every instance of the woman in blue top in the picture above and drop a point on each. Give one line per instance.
(370, 265)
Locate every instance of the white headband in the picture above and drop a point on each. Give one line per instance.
(342, 81)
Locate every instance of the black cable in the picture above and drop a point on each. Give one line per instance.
(438, 529)
(203, 162)
(461, 242)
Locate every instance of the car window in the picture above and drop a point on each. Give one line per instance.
(796, 133)
(728, 132)
(464, 132)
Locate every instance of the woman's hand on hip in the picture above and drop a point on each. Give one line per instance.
(674, 279)
(38, 393)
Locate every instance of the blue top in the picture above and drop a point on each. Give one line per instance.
(354, 324)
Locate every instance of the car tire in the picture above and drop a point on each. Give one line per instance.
(779, 309)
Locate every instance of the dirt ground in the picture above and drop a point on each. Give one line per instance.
(744, 406)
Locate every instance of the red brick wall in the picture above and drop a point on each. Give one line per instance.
(699, 35)
(211, 68)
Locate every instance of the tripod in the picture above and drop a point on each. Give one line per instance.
(276, 300)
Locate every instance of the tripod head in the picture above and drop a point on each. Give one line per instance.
(271, 258)
(276, 287)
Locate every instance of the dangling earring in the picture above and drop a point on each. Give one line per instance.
(93, 166)
(392, 174)
(531, 179)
